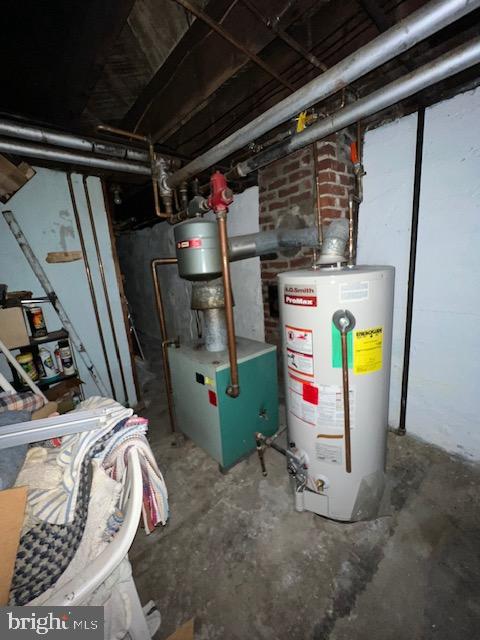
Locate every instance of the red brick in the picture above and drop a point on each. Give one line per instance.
(328, 201)
(327, 149)
(269, 275)
(303, 261)
(307, 185)
(297, 175)
(337, 190)
(277, 183)
(288, 191)
(331, 213)
(331, 164)
(266, 218)
(327, 176)
(301, 197)
(291, 166)
(274, 206)
(346, 179)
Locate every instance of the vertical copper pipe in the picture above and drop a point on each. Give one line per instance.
(163, 332)
(318, 209)
(90, 281)
(346, 403)
(233, 389)
(105, 288)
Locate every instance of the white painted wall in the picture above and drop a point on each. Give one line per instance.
(44, 212)
(443, 402)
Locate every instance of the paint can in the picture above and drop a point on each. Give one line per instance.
(25, 360)
(36, 322)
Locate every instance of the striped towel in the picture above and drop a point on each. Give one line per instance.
(57, 505)
(115, 458)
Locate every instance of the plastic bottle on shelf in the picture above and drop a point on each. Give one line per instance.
(67, 359)
(49, 368)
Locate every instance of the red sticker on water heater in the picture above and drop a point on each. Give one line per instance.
(194, 243)
(300, 295)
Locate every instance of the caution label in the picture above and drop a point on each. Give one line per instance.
(368, 350)
(330, 410)
(302, 400)
(300, 362)
(328, 453)
(300, 295)
(299, 340)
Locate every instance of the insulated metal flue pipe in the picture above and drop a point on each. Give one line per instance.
(443, 67)
(31, 150)
(401, 37)
(70, 141)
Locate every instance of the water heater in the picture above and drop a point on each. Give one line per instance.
(326, 482)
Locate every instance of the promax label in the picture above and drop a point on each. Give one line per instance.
(300, 295)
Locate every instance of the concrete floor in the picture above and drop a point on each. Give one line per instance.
(239, 559)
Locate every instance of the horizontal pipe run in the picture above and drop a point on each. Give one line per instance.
(70, 141)
(453, 62)
(266, 242)
(429, 19)
(69, 157)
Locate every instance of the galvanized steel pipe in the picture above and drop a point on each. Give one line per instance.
(70, 157)
(401, 37)
(70, 141)
(461, 58)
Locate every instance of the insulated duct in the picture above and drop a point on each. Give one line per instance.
(70, 157)
(70, 141)
(404, 35)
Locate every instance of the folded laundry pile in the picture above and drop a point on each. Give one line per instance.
(60, 496)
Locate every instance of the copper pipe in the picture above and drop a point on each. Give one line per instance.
(233, 390)
(163, 332)
(151, 154)
(318, 209)
(350, 231)
(273, 25)
(105, 288)
(121, 132)
(346, 403)
(214, 26)
(90, 281)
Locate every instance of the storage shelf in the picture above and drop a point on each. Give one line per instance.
(53, 336)
(44, 384)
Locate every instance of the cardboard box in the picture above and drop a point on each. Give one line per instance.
(13, 330)
(12, 510)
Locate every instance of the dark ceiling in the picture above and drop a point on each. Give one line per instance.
(150, 66)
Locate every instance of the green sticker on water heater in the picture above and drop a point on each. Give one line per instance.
(337, 348)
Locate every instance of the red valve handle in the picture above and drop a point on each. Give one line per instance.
(220, 195)
(354, 153)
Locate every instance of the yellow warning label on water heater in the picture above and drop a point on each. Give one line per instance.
(367, 350)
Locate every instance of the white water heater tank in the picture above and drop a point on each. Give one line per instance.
(312, 352)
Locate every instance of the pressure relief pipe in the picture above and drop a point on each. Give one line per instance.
(220, 197)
